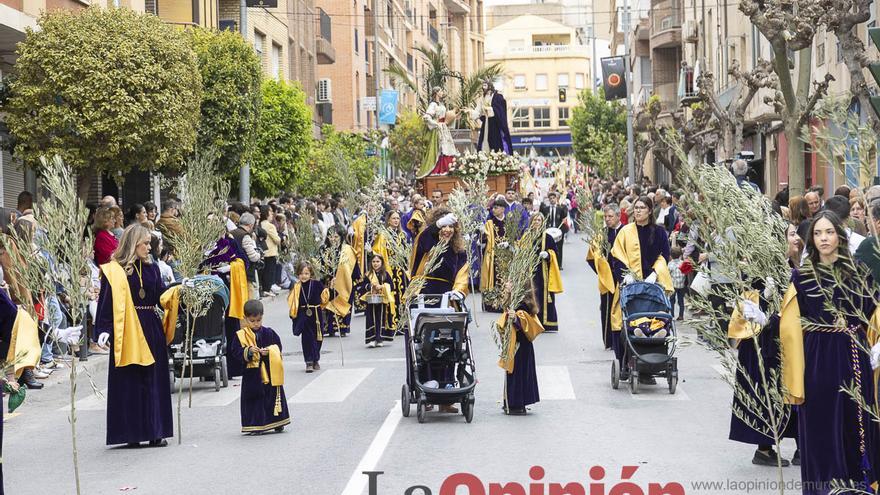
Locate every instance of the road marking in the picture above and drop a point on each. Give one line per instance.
(554, 383)
(358, 481)
(210, 398)
(331, 386)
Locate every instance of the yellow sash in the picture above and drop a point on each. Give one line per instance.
(628, 250)
(487, 268)
(238, 288)
(531, 327)
(462, 279)
(380, 247)
(603, 270)
(293, 304)
(170, 302)
(553, 275)
(129, 344)
(739, 328)
(340, 305)
(387, 295)
(24, 345)
(248, 338)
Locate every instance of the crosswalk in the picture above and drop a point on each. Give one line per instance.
(338, 384)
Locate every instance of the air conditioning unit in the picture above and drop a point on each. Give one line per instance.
(325, 93)
(691, 31)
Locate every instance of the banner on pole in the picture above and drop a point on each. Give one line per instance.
(613, 78)
(388, 106)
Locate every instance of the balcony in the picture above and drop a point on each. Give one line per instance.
(665, 27)
(457, 6)
(324, 50)
(543, 50)
(687, 87)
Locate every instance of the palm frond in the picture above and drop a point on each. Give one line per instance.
(400, 74)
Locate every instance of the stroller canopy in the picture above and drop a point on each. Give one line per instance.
(643, 297)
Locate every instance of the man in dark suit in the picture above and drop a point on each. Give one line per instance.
(557, 216)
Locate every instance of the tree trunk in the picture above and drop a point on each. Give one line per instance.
(84, 179)
(791, 111)
(795, 157)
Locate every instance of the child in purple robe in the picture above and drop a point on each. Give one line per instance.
(263, 403)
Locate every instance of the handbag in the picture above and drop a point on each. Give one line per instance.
(701, 284)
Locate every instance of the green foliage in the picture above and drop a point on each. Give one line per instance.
(408, 141)
(598, 132)
(105, 90)
(339, 163)
(283, 139)
(230, 106)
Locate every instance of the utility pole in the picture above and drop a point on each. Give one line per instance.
(630, 165)
(376, 66)
(244, 176)
(593, 45)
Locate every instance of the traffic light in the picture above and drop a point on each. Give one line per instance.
(874, 68)
(563, 94)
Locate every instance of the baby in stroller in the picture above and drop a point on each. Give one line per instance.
(649, 327)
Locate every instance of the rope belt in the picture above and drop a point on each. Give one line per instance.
(145, 307)
(857, 374)
(319, 335)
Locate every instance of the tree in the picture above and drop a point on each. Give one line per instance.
(791, 26)
(107, 90)
(283, 139)
(338, 164)
(231, 96)
(597, 125)
(408, 141)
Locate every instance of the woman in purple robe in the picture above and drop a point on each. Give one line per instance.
(521, 378)
(138, 389)
(821, 324)
(225, 252)
(451, 271)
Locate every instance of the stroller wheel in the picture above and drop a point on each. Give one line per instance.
(467, 408)
(224, 372)
(421, 411)
(171, 375)
(634, 382)
(615, 374)
(404, 400)
(217, 378)
(672, 381)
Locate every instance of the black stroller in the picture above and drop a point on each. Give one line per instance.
(439, 366)
(646, 310)
(209, 344)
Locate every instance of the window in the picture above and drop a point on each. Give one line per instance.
(520, 118)
(276, 61)
(562, 80)
(820, 48)
(541, 82)
(578, 80)
(499, 84)
(357, 41)
(563, 116)
(519, 81)
(542, 117)
(259, 42)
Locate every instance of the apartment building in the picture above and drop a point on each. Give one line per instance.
(546, 65)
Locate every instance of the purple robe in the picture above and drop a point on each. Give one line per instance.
(379, 325)
(747, 355)
(226, 251)
(257, 398)
(499, 133)
(308, 328)
(8, 312)
(521, 386)
(546, 300)
(831, 426)
(443, 277)
(138, 397)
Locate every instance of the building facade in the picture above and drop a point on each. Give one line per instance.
(546, 66)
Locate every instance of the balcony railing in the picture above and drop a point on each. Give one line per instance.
(544, 50)
(326, 30)
(664, 20)
(687, 86)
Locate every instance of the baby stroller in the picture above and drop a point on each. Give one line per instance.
(439, 366)
(646, 310)
(209, 342)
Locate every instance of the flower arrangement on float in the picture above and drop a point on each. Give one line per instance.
(485, 164)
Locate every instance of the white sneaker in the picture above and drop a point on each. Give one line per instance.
(371, 345)
(638, 332)
(661, 334)
(380, 344)
(275, 289)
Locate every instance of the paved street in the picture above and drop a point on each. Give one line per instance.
(346, 419)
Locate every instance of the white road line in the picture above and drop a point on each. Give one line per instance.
(209, 398)
(331, 386)
(358, 481)
(554, 383)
